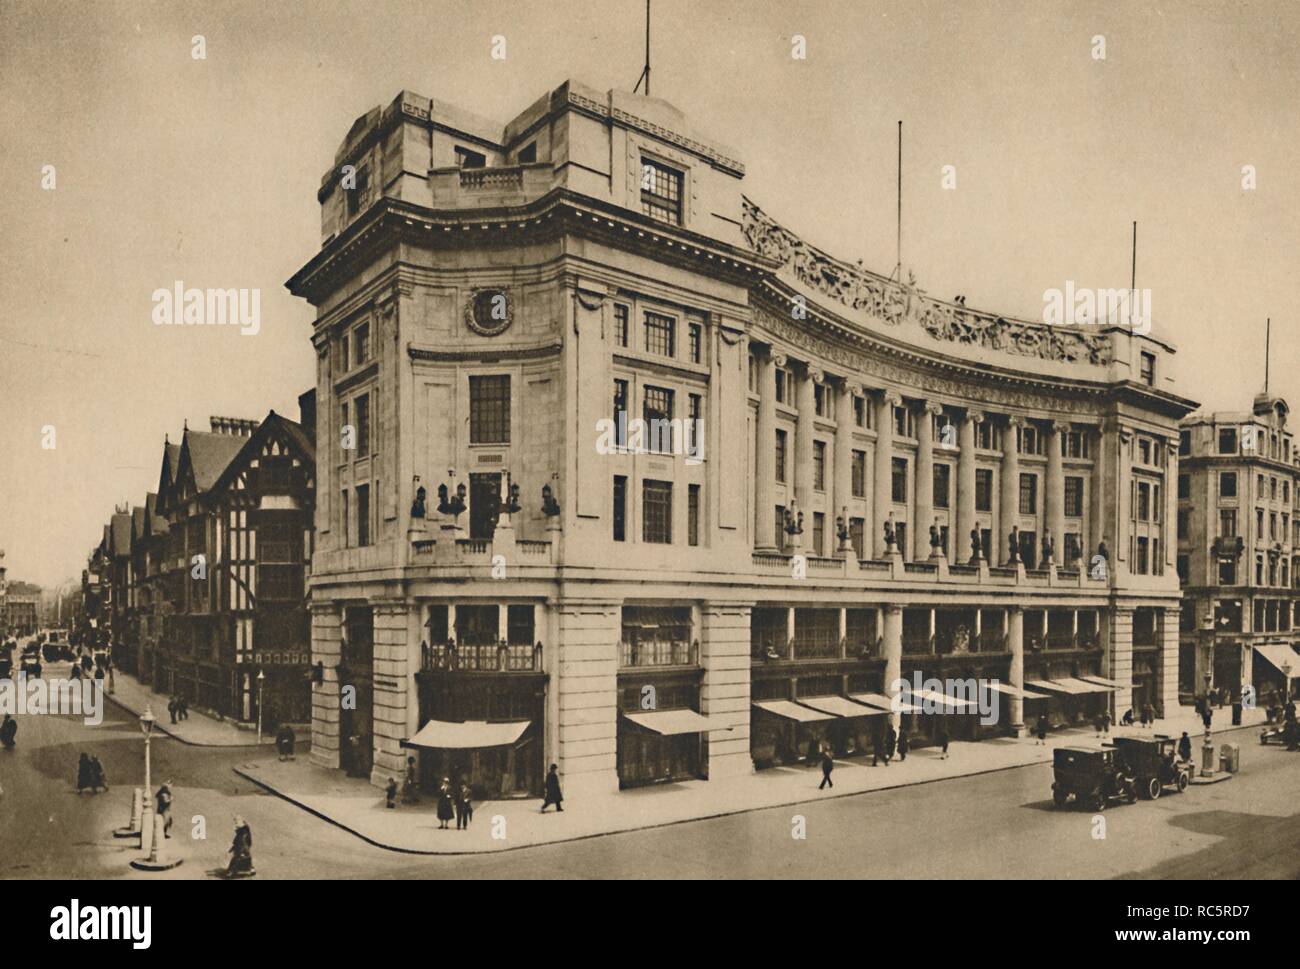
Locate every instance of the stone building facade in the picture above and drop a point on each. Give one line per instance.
(1239, 549)
(671, 439)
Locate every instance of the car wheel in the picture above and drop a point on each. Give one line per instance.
(1059, 797)
(1153, 788)
(1182, 782)
(1099, 801)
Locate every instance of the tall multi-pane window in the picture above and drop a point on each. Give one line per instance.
(1184, 486)
(942, 485)
(620, 413)
(983, 489)
(859, 475)
(695, 416)
(819, 533)
(819, 465)
(347, 439)
(1184, 519)
(660, 333)
(1227, 484)
(780, 455)
(1074, 496)
(821, 400)
(1227, 440)
(343, 517)
(362, 405)
(898, 479)
(1143, 501)
(363, 515)
(693, 515)
(1147, 370)
(1228, 522)
(1028, 494)
(620, 324)
(657, 412)
(657, 512)
(620, 508)
(860, 411)
(695, 339)
(661, 192)
(489, 410)
(361, 343)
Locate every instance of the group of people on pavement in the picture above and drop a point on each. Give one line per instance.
(179, 708)
(456, 801)
(90, 774)
(885, 745)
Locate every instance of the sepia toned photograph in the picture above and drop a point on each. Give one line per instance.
(650, 440)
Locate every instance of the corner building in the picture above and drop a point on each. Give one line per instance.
(648, 608)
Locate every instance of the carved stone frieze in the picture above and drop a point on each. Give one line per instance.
(892, 301)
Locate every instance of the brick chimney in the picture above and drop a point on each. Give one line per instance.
(234, 426)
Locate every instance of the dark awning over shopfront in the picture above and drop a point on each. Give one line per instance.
(670, 723)
(1280, 656)
(1015, 691)
(466, 735)
(1063, 686)
(792, 711)
(1084, 686)
(1103, 681)
(838, 706)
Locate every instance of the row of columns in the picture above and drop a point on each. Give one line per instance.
(800, 476)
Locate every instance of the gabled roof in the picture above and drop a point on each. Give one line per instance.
(204, 455)
(167, 473)
(155, 521)
(274, 427)
(137, 523)
(120, 533)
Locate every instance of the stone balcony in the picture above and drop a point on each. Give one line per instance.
(930, 571)
(480, 188)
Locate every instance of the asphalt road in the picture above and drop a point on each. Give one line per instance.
(992, 825)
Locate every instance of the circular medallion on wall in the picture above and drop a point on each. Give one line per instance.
(489, 312)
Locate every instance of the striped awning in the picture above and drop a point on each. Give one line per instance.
(839, 706)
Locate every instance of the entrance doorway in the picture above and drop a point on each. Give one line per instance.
(484, 505)
(356, 711)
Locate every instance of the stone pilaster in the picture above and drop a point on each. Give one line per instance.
(893, 651)
(1167, 686)
(392, 695)
(803, 447)
(326, 649)
(924, 489)
(1016, 644)
(724, 694)
(880, 484)
(1009, 503)
(585, 683)
(765, 456)
(966, 514)
(1118, 647)
(843, 490)
(1054, 493)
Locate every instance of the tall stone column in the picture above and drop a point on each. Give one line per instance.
(843, 454)
(585, 677)
(1016, 644)
(924, 481)
(1167, 685)
(724, 692)
(326, 649)
(1118, 647)
(391, 695)
(966, 514)
(765, 454)
(1099, 496)
(1054, 493)
(1009, 503)
(1169, 527)
(880, 483)
(893, 651)
(803, 445)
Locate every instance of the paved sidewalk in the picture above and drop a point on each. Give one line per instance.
(200, 730)
(502, 825)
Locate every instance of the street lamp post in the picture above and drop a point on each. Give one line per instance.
(147, 721)
(261, 680)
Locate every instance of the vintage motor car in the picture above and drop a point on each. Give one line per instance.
(1286, 734)
(1094, 777)
(1154, 763)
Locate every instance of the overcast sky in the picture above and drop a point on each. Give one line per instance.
(170, 168)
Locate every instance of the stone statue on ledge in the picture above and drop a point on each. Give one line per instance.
(976, 547)
(417, 506)
(550, 507)
(1049, 546)
(936, 539)
(1013, 542)
(890, 542)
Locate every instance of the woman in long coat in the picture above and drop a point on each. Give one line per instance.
(891, 743)
(445, 810)
(83, 774)
(241, 850)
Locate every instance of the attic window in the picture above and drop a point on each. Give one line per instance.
(470, 159)
(357, 196)
(661, 192)
(528, 153)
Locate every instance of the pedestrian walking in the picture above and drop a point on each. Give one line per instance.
(553, 795)
(183, 708)
(464, 807)
(241, 851)
(1127, 719)
(8, 732)
(891, 743)
(390, 792)
(1096, 726)
(1105, 723)
(411, 786)
(1207, 716)
(445, 809)
(942, 737)
(171, 709)
(1149, 714)
(1040, 729)
(163, 800)
(97, 779)
(285, 739)
(83, 773)
(877, 747)
(904, 744)
(828, 765)
(1185, 746)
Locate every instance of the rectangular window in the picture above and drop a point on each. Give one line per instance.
(343, 517)
(779, 531)
(1228, 522)
(1184, 486)
(780, 455)
(693, 515)
(782, 378)
(620, 324)
(361, 343)
(1028, 437)
(983, 489)
(620, 508)
(902, 422)
(695, 337)
(1184, 442)
(1142, 556)
(821, 400)
(362, 405)
(1074, 496)
(657, 412)
(660, 334)
(898, 481)
(942, 484)
(1183, 567)
(860, 411)
(1028, 494)
(467, 158)
(1148, 369)
(1227, 484)
(363, 515)
(859, 475)
(1073, 547)
(1227, 440)
(694, 423)
(657, 512)
(661, 192)
(819, 533)
(620, 413)
(857, 535)
(1143, 501)
(1184, 521)
(819, 465)
(489, 410)
(349, 432)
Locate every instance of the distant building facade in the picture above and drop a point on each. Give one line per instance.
(847, 481)
(1239, 549)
